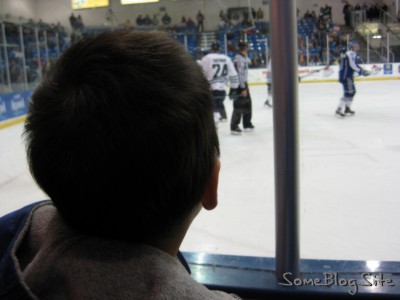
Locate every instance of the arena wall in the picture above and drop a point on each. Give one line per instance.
(54, 11)
(315, 74)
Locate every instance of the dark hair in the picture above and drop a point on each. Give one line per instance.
(215, 46)
(121, 136)
(242, 45)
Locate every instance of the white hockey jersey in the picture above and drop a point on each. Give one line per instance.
(219, 70)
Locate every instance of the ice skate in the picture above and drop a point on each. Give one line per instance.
(236, 131)
(249, 128)
(349, 112)
(339, 113)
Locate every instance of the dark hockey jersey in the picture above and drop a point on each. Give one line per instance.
(348, 65)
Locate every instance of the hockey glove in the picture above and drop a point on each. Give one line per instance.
(234, 93)
(365, 73)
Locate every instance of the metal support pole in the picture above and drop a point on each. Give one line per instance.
(225, 44)
(308, 54)
(185, 41)
(57, 44)
(328, 60)
(39, 59)
(7, 63)
(22, 47)
(368, 45)
(286, 140)
(387, 47)
(46, 47)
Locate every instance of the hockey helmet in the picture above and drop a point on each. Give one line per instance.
(352, 44)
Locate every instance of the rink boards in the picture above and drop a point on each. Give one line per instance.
(14, 106)
(315, 74)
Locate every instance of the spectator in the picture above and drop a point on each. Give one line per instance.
(357, 12)
(104, 136)
(260, 14)
(111, 20)
(73, 21)
(79, 23)
(127, 24)
(384, 13)
(222, 23)
(364, 9)
(166, 19)
(321, 24)
(155, 20)
(313, 15)
(307, 15)
(347, 14)
(190, 24)
(147, 20)
(200, 21)
(139, 20)
(326, 12)
(302, 57)
(222, 16)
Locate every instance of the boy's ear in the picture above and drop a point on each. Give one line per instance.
(210, 197)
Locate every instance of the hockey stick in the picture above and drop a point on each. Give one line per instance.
(375, 69)
(313, 72)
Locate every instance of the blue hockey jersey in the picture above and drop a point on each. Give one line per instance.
(348, 65)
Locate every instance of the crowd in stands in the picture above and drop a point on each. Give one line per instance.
(363, 13)
(24, 61)
(234, 25)
(319, 39)
(187, 24)
(76, 22)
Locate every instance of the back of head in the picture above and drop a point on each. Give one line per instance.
(354, 45)
(121, 136)
(215, 46)
(242, 46)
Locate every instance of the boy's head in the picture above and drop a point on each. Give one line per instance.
(121, 136)
(243, 47)
(355, 46)
(215, 47)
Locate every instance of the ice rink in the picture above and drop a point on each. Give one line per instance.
(349, 178)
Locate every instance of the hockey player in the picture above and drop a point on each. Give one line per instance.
(268, 102)
(219, 70)
(348, 65)
(242, 104)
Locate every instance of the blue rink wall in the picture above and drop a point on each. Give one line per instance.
(14, 106)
